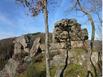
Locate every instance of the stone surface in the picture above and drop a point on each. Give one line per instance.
(35, 46)
(66, 49)
(67, 29)
(9, 69)
(24, 50)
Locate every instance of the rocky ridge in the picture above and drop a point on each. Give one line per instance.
(63, 53)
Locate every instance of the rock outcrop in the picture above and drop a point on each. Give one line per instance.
(24, 50)
(67, 36)
(70, 28)
(68, 57)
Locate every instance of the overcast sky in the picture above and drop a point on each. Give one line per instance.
(15, 21)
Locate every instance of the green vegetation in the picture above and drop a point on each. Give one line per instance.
(78, 51)
(53, 71)
(75, 70)
(35, 69)
(37, 66)
(7, 47)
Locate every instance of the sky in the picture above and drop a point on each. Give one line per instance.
(15, 21)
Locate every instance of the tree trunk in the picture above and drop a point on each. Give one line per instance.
(93, 31)
(91, 22)
(46, 40)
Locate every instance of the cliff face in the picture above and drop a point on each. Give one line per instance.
(67, 59)
(23, 63)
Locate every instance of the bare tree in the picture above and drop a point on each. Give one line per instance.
(91, 20)
(96, 5)
(35, 7)
(96, 8)
(47, 39)
(89, 8)
(93, 7)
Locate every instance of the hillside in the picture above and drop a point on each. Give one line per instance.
(35, 67)
(7, 47)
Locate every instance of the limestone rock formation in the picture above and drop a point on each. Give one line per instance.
(66, 29)
(67, 36)
(66, 53)
(24, 50)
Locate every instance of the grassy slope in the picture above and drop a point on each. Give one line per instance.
(37, 68)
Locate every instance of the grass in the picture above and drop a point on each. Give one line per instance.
(35, 69)
(75, 70)
(53, 71)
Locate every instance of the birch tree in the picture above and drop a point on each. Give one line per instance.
(89, 11)
(35, 7)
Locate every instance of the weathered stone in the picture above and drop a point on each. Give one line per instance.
(67, 29)
(20, 45)
(24, 50)
(9, 69)
(94, 57)
(67, 33)
(35, 47)
(76, 44)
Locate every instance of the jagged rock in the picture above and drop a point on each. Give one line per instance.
(69, 29)
(67, 33)
(21, 45)
(35, 48)
(9, 69)
(24, 50)
(76, 44)
(24, 46)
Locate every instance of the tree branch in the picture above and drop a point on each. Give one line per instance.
(93, 30)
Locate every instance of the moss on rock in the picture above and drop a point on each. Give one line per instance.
(35, 69)
(75, 70)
